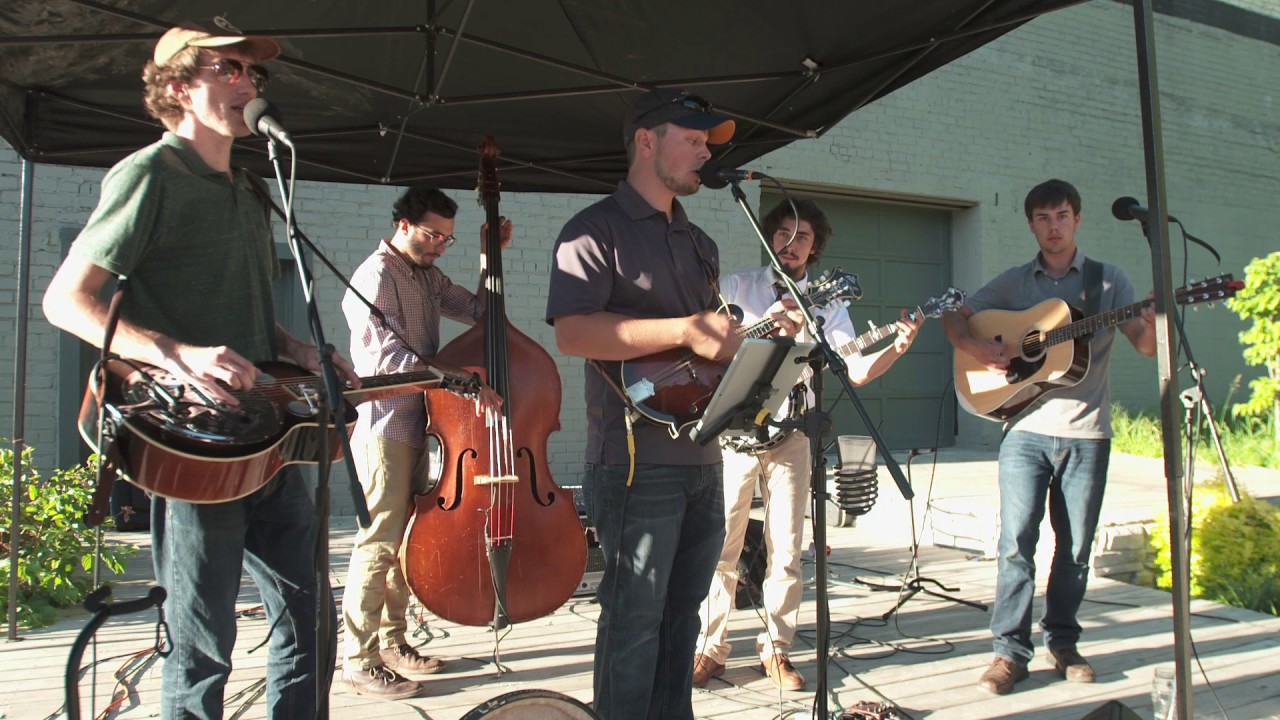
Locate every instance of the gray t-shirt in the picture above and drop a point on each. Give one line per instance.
(1083, 410)
(621, 255)
(194, 244)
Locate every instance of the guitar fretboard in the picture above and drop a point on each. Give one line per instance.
(1080, 328)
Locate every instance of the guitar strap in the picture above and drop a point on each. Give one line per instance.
(111, 462)
(1092, 287)
(629, 414)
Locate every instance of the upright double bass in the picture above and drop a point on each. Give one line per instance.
(496, 541)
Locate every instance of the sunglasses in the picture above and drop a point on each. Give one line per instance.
(229, 71)
(692, 102)
(437, 237)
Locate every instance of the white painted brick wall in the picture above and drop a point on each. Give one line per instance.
(1057, 97)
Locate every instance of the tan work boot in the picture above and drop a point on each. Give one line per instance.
(1002, 675)
(783, 673)
(704, 668)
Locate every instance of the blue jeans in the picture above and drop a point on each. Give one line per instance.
(661, 538)
(199, 550)
(1072, 475)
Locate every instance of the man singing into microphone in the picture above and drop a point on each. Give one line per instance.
(632, 276)
(192, 236)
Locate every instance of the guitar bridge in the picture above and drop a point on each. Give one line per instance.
(640, 390)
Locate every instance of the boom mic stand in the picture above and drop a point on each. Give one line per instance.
(815, 424)
(1195, 402)
(913, 583)
(330, 413)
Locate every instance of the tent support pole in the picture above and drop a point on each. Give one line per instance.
(1158, 237)
(20, 387)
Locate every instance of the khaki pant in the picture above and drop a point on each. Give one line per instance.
(376, 596)
(782, 474)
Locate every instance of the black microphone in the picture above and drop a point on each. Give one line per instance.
(716, 177)
(263, 119)
(1127, 208)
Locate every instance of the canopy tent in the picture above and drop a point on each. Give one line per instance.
(403, 91)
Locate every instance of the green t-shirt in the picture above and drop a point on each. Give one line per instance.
(195, 247)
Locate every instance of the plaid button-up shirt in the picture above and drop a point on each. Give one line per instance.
(412, 299)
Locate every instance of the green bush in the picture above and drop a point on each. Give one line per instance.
(1235, 550)
(1240, 555)
(55, 550)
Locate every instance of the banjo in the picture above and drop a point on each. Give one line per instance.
(952, 299)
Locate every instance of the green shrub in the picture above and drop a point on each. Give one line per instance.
(1235, 550)
(1240, 555)
(55, 551)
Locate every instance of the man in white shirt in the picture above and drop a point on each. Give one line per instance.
(783, 470)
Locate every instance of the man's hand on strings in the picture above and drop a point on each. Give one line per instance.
(308, 357)
(908, 330)
(786, 314)
(712, 335)
(488, 405)
(218, 371)
(508, 230)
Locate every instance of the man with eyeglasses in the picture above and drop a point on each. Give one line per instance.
(191, 236)
(632, 276)
(389, 443)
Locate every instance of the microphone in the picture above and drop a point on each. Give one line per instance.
(716, 177)
(1127, 208)
(263, 119)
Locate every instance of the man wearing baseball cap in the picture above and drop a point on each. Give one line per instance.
(632, 276)
(192, 237)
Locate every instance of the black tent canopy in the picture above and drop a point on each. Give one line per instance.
(402, 91)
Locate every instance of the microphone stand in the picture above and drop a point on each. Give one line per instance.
(1196, 398)
(331, 410)
(817, 423)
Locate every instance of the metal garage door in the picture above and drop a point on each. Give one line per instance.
(902, 256)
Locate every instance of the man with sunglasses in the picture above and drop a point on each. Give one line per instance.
(192, 237)
(389, 443)
(632, 276)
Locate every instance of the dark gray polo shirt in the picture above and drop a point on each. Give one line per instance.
(195, 245)
(1083, 410)
(621, 255)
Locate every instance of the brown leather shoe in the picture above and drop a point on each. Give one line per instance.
(381, 682)
(782, 672)
(1072, 665)
(406, 658)
(1001, 676)
(704, 668)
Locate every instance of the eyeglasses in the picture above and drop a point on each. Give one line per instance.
(692, 102)
(437, 237)
(229, 71)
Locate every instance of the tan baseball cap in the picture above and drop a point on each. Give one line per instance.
(211, 34)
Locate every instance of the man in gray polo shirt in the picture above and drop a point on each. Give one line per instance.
(632, 276)
(1057, 450)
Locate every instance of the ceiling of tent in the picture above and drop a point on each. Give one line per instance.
(403, 91)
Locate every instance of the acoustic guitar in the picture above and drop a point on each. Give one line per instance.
(176, 442)
(1049, 344)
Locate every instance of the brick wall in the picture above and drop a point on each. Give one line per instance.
(1058, 97)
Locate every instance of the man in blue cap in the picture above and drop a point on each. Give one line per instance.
(632, 276)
